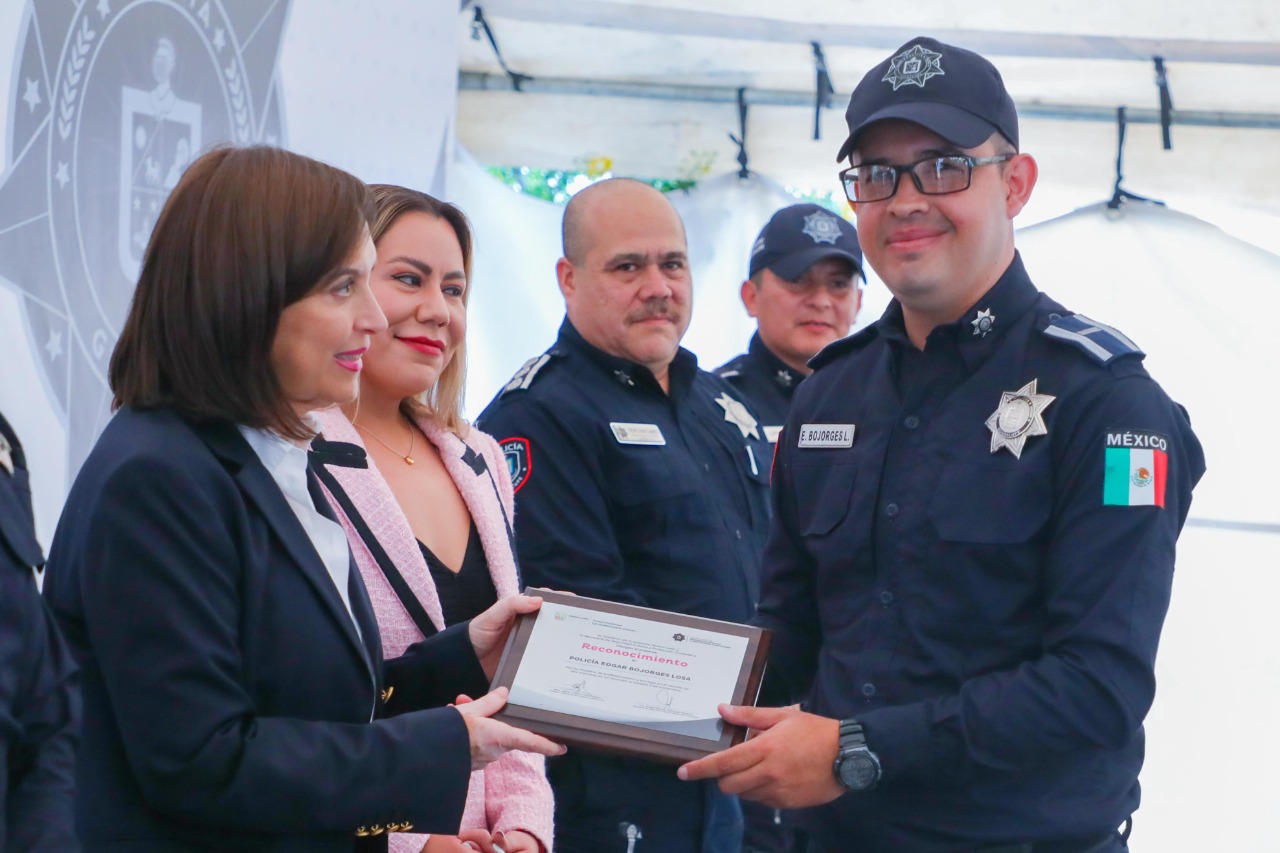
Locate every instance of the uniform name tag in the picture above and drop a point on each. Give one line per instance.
(772, 432)
(637, 434)
(826, 435)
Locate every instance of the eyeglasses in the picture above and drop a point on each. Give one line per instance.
(932, 176)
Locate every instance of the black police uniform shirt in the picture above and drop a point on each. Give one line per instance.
(631, 494)
(39, 690)
(766, 381)
(991, 618)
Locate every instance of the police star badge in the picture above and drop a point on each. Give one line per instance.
(983, 322)
(821, 227)
(1018, 418)
(913, 67)
(737, 414)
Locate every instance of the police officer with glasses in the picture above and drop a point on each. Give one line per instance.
(977, 501)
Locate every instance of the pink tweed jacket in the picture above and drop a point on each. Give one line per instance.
(512, 793)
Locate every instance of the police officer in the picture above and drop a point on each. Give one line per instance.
(39, 694)
(977, 501)
(639, 478)
(803, 292)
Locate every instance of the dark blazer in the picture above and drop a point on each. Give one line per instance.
(227, 694)
(39, 698)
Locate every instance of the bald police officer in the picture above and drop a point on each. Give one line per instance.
(977, 501)
(639, 478)
(802, 289)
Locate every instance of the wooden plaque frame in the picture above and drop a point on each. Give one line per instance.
(624, 738)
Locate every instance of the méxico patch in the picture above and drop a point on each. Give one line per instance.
(519, 460)
(1136, 468)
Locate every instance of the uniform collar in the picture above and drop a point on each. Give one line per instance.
(628, 373)
(979, 330)
(773, 367)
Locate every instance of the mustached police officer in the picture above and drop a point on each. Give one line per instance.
(639, 478)
(803, 292)
(39, 686)
(977, 501)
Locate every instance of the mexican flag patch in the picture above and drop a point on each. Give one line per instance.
(1136, 468)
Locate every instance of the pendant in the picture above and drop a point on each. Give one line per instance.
(408, 460)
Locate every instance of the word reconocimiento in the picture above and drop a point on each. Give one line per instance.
(635, 655)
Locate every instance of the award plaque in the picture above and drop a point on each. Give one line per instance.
(628, 680)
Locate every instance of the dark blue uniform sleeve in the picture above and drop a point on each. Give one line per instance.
(564, 535)
(39, 719)
(1106, 581)
(39, 691)
(788, 605)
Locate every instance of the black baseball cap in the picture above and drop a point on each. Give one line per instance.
(954, 92)
(797, 237)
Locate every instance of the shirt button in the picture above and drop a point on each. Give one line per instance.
(706, 467)
(911, 422)
(868, 689)
(738, 533)
(891, 510)
(886, 598)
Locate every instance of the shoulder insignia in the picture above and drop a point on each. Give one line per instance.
(528, 372)
(1103, 343)
(853, 343)
(728, 374)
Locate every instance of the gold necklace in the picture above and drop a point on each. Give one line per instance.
(407, 457)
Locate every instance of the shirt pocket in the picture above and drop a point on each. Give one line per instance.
(989, 504)
(824, 494)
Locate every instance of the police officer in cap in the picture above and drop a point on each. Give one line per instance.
(977, 501)
(639, 478)
(39, 690)
(803, 292)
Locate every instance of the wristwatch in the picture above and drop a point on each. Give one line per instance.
(857, 768)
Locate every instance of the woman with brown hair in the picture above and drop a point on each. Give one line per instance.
(429, 519)
(235, 693)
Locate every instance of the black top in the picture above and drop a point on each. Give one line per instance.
(467, 592)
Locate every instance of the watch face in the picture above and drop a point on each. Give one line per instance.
(858, 771)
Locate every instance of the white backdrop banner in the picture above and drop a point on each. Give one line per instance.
(108, 101)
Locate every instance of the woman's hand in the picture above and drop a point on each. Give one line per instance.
(466, 841)
(490, 739)
(517, 841)
(489, 630)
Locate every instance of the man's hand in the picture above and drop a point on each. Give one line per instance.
(489, 630)
(786, 762)
(490, 739)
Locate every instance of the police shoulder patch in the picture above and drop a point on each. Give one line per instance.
(516, 452)
(853, 343)
(1099, 341)
(528, 372)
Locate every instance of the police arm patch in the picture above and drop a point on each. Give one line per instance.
(1136, 468)
(515, 451)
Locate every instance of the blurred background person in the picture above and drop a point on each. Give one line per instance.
(803, 291)
(429, 519)
(39, 687)
(235, 692)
